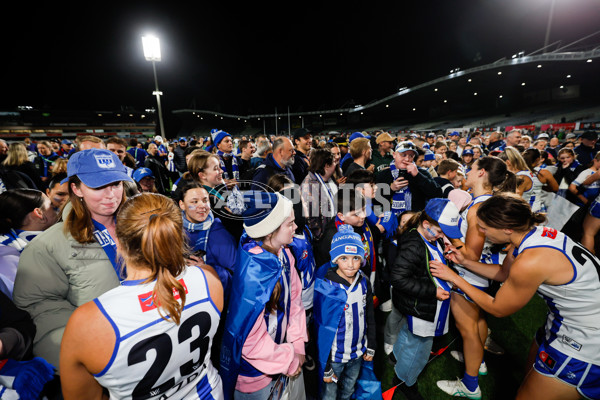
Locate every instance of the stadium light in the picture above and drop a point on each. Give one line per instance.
(151, 46)
(523, 84)
(539, 66)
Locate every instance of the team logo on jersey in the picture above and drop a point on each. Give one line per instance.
(148, 302)
(570, 342)
(304, 254)
(346, 306)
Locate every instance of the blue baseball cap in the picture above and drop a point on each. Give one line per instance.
(454, 134)
(466, 152)
(141, 173)
(66, 141)
(182, 139)
(357, 135)
(429, 155)
(447, 216)
(96, 168)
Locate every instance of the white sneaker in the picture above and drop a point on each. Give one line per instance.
(458, 356)
(458, 389)
(388, 348)
(493, 347)
(386, 306)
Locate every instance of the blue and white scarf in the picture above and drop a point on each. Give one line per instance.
(401, 199)
(234, 165)
(47, 164)
(109, 246)
(18, 239)
(198, 233)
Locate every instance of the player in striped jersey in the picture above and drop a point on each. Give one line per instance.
(149, 338)
(344, 315)
(564, 274)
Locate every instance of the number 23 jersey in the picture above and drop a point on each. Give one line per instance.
(573, 322)
(154, 358)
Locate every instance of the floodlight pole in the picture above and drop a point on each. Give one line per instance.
(549, 26)
(158, 93)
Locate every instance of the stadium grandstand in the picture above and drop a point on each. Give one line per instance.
(554, 85)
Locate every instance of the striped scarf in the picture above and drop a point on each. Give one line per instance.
(234, 165)
(198, 233)
(401, 199)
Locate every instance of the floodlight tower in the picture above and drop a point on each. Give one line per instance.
(151, 46)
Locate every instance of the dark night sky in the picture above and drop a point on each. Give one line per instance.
(252, 57)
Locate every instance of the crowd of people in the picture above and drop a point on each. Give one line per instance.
(234, 267)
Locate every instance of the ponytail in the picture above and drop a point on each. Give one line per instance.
(150, 232)
(509, 185)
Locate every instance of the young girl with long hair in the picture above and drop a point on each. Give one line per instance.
(265, 329)
(423, 301)
(151, 336)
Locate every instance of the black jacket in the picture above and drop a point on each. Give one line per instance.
(160, 172)
(422, 187)
(413, 289)
(179, 159)
(300, 167)
(569, 174)
(263, 172)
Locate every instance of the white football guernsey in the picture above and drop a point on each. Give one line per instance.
(573, 323)
(533, 196)
(154, 358)
(486, 254)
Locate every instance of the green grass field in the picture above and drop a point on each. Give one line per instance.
(506, 372)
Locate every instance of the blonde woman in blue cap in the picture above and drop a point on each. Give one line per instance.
(265, 327)
(75, 260)
(421, 298)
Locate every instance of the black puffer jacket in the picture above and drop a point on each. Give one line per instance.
(413, 290)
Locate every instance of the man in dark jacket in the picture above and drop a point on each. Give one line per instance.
(179, 155)
(588, 148)
(303, 143)
(410, 186)
(161, 174)
(278, 162)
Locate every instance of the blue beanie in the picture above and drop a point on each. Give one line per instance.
(346, 242)
(218, 135)
(264, 212)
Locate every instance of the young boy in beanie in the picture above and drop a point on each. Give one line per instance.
(344, 316)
